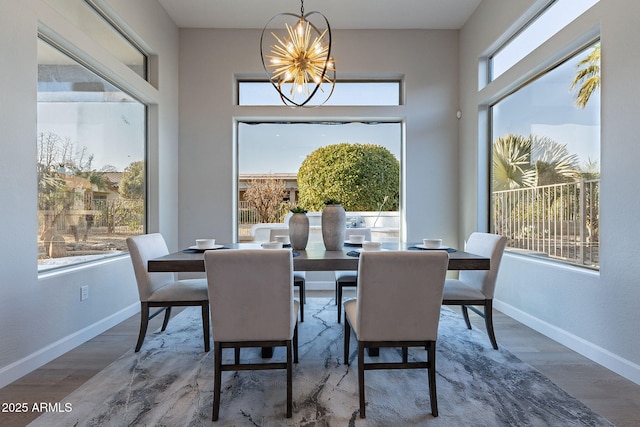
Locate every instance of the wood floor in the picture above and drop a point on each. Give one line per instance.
(608, 394)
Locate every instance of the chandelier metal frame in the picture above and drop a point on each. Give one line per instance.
(299, 60)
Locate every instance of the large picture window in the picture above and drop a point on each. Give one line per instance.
(546, 163)
(287, 164)
(90, 162)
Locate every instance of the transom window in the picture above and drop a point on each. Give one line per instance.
(94, 22)
(541, 28)
(347, 93)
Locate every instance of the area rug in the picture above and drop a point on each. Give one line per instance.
(170, 383)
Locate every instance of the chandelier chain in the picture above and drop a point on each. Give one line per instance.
(301, 7)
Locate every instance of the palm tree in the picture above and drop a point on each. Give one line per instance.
(512, 163)
(587, 77)
(552, 161)
(520, 161)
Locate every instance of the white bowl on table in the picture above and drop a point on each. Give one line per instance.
(205, 243)
(432, 243)
(371, 246)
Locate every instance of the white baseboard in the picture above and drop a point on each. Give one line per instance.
(22, 367)
(604, 357)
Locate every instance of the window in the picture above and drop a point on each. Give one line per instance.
(270, 156)
(93, 21)
(90, 162)
(546, 163)
(349, 93)
(540, 29)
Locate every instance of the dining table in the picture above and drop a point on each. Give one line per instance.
(313, 258)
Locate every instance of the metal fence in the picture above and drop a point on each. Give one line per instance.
(248, 216)
(559, 221)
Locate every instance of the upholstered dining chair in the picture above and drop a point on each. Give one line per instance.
(252, 305)
(299, 277)
(397, 304)
(162, 290)
(348, 278)
(476, 287)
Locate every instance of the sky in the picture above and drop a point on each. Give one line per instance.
(546, 108)
(281, 148)
(114, 132)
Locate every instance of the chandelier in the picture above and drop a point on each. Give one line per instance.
(298, 58)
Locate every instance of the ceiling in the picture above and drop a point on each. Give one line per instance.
(342, 14)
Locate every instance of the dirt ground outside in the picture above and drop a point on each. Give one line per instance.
(97, 241)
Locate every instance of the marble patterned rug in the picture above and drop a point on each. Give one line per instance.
(170, 383)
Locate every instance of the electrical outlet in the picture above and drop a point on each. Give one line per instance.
(84, 292)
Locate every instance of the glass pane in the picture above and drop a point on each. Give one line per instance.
(546, 163)
(271, 156)
(345, 93)
(87, 19)
(90, 160)
(552, 20)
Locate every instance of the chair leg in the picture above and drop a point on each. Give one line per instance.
(295, 344)
(336, 293)
(144, 321)
(289, 381)
(339, 299)
(361, 379)
(217, 380)
(465, 314)
(206, 326)
(433, 395)
(347, 332)
(301, 289)
(488, 321)
(167, 315)
(236, 355)
(405, 354)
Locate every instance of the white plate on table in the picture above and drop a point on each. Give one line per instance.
(206, 249)
(370, 250)
(421, 246)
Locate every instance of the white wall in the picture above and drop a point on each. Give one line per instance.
(42, 317)
(593, 313)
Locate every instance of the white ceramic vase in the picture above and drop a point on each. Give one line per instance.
(334, 226)
(299, 231)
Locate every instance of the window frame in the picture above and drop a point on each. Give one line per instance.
(59, 45)
(560, 58)
(240, 81)
(529, 23)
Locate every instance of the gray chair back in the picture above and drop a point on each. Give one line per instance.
(251, 294)
(141, 249)
(399, 295)
(488, 245)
